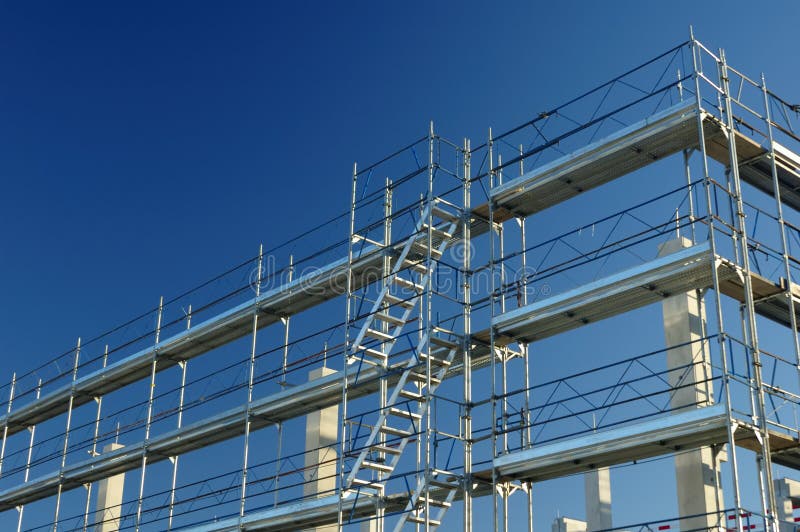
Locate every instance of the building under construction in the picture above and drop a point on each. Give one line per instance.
(477, 323)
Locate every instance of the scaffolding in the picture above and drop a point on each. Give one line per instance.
(421, 343)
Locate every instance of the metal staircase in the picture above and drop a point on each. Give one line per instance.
(401, 418)
(430, 500)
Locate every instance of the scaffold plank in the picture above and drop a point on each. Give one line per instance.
(281, 406)
(677, 272)
(302, 293)
(662, 435)
(286, 404)
(755, 167)
(629, 149)
(289, 516)
(658, 136)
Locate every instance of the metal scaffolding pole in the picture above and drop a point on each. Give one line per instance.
(8, 413)
(707, 184)
(523, 301)
(250, 383)
(781, 224)
(99, 400)
(769, 502)
(492, 345)
(66, 433)
(183, 365)
(149, 421)
(347, 346)
(26, 477)
(428, 328)
(466, 265)
(283, 383)
(383, 388)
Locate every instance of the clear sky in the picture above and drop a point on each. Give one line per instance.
(145, 146)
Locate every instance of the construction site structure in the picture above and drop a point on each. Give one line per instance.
(608, 284)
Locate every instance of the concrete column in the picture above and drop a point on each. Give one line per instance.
(565, 524)
(787, 491)
(597, 485)
(698, 471)
(109, 498)
(320, 458)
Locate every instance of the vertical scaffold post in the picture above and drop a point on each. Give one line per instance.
(149, 420)
(32, 431)
(285, 321)
(346, 352)
(251, 379)
(492, 347)
(466, 265)
(99, 400)
(66, 432)
(182, 394)
(283, 383)
(526, 418)
(12, 388)
(787, 269)
(386, 270)
(768, 493)
(707, 184)
(686, 155)
(503, 351)
(428, 326)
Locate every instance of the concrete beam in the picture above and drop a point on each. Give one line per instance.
(697, 471)
(322, 427)
(597, 484)
(109, 498)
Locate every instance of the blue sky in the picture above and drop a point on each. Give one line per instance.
(147, 146)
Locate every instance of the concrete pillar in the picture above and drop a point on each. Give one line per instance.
(320, 458)
(109, 498)
(565, 524)
(698, 471)
(597, 484)
(787, 491)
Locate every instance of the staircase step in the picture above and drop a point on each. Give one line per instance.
(387, 429)
(400, 301)
(420, 377)
(437, 232)
(421, 519)
(433, 502)
(417, 266)
(413, 396)
(402, 282)
(388, 318)
(367, 484)
(386, 449)
(421, 247)
(377, 466)
(379, 335)
(358, 238)
(365, 360)
(404, 413)
(442, 484)
(444, 214)
(438, 481)
(437, 340)
(374, 353)
(435, 360)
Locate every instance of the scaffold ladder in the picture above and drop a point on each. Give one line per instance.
(400, 418)
(401, 291)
